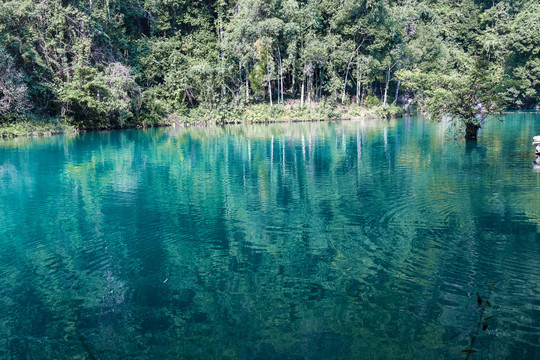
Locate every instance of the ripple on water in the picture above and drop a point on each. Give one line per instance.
(375, 238)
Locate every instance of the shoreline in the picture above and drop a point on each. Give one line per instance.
(249, 115)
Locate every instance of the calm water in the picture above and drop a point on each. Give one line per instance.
(352, 240)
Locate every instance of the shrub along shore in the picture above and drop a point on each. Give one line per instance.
(253, 114)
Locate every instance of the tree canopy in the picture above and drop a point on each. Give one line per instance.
(463, 98)
(110, 63)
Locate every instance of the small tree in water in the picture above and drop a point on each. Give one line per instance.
(464, 98)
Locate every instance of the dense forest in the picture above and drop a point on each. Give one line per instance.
(113, 63)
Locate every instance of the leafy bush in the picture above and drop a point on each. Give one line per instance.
(95, 99)
(389, 111)
(13, 91)
(372, 101)
(33, 128)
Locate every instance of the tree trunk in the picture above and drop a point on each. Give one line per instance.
(386, 85)
(302, 95)
(238, 91)
(348, 66)
(268, 74)
(278, 87)
(247, 85)
(397, 91)
(280, 77)
(345, 84)
(357, 79)
(320, 84)
(357, 91)
(293, 86)
(281, 74)
(221, 55)
(471, 130)
(309, 89)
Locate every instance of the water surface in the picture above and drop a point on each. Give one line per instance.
(336, 240)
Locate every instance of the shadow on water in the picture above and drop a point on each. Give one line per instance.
(472, 146)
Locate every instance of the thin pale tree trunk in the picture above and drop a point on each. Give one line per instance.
(348, 66)
(278, 88)
(397, 91)
(386, 85)
(357, 79)
(268, 74)
(345, 84)
(280, 76)
(358, 91)
(247, 85)
(221, 55)
(293, 82)
(309, 89)
(302, 95)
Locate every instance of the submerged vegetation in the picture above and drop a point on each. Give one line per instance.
(483, 323)
(119, 63)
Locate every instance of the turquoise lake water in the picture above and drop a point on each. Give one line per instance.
(326, 240)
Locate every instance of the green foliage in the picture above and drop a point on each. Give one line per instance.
(466, 97)
(256, 79)
(388, 111)
(523, 41)
(82, 98)
(118, 63)
(34, 128)
(372, 101)
(13, 91)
